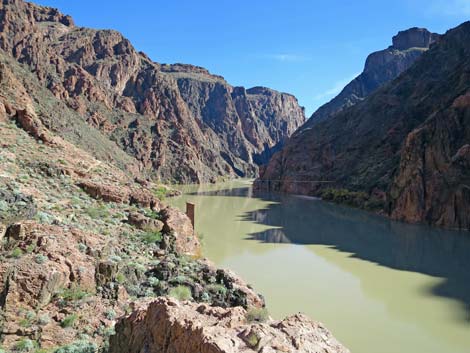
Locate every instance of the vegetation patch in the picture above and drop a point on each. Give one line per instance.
(151, 237)
(357, 199)
(73, 294)
(180, 293)
(69, 321)
(254, 314)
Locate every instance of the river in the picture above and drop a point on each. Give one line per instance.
(380, 286)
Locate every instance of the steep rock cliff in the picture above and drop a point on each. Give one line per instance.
(405, 146)
(178, 122)
(381, 67)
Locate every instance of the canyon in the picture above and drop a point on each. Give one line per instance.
(98, 256)
(175, 123)
(402, 151)
(90, 128)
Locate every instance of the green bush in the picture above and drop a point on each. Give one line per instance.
(82, 247)
(73, 293)
(357, 199)
(30, 248)
(255, 314)
(78, 347)
(153, 214)
(16, 253)
(69, 321)
(160, 192)
(25, 345)
(43, 319)
(110, 314)
(153, 281)
(40, 259)
(152, 237)
(120, 278)
(180, 293)
(252, 340)
(98, 212)
(217, 289)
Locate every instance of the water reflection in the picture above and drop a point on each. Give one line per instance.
(421, 249)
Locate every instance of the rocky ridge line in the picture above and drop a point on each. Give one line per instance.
(175, 123)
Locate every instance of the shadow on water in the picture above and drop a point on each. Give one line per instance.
(416, 248)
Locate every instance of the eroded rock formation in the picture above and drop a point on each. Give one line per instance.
(166, 325)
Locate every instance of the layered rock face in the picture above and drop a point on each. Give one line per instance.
(166, 325)
(175, 122)
(381, 67)
(405, 146)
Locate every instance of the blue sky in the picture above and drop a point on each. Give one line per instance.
(305, 47)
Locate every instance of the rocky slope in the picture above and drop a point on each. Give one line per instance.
(381, 67)
(403, 150)
(176, 123)
(169, 326)
(81, 244)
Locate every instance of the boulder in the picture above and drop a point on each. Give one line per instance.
(140, 221)
(181, 232)
(107, 193)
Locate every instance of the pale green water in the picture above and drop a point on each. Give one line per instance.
(379, 286)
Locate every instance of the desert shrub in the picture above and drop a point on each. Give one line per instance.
(160, 192)
(180, 293)
(110, 314)
(255, 314)
(69, 321)
(98, 212)
(73, 293)
(78, 347)
(30, 248)
(43, 319)
(252, 340)
(346, 197)
(82, 247)
(40, 259)
(120, 278)
(153, 214)
(16, 253)
(25, 345)
(151, 237)
(217, 289)
(153, 281)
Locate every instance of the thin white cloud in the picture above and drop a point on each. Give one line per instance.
(336, 88)
(450, 7)
(287, 57)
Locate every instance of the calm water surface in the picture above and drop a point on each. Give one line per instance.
(379, 286)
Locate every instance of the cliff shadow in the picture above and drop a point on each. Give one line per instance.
(416, 248)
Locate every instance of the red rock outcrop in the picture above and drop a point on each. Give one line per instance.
(167, 325)
(51, 262)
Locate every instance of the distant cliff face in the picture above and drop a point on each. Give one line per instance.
(381, 67)
(404, 149)
(178, 122)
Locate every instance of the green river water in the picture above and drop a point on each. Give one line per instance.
(379, 286)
